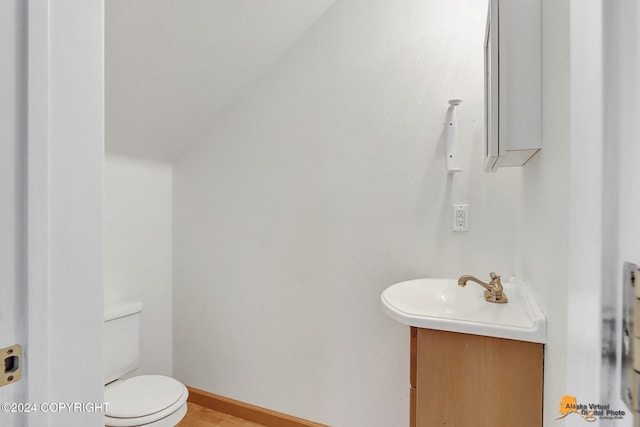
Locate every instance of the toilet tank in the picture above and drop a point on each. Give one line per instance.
(121, 338)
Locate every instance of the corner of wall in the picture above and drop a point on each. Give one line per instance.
(543, 244)
(138, 259)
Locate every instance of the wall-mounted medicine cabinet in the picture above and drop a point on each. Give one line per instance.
(512, 89)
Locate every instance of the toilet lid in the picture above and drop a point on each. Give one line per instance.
(141, 396)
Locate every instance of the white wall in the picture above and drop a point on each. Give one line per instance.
(543, 238)
(138, 251)
(586, 260)
(319, 189)
(73, 149)
(628, 161)
(576, 222)
(621, 42)
(13, 87)
(154, 52)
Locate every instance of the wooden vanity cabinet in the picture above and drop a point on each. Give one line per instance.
(462, 380)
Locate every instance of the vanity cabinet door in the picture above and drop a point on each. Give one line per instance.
(471, 380)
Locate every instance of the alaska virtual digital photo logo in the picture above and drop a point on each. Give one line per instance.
(589, 412)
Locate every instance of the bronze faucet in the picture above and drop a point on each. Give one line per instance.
(493, 291)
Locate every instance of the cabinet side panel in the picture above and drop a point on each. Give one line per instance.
(465, 380)
(413, 376)
(413, 356)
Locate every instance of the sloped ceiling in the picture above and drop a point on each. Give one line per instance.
(172, 66)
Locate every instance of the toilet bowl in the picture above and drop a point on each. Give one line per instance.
(145, 400)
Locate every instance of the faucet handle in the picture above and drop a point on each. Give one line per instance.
(495, 280)
(495, 294)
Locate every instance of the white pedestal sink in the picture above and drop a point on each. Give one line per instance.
(443, 305)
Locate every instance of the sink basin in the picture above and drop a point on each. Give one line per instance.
(442, 304)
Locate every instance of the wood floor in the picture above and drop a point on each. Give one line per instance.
(199, 416)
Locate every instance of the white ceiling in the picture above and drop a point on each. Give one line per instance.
(172, 66)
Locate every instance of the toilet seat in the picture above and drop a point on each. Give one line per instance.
(143, 400)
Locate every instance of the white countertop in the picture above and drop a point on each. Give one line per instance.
(443, 305)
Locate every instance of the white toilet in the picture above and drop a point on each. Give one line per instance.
(149, 400)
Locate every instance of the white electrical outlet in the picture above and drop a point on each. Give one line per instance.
(460, 220)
